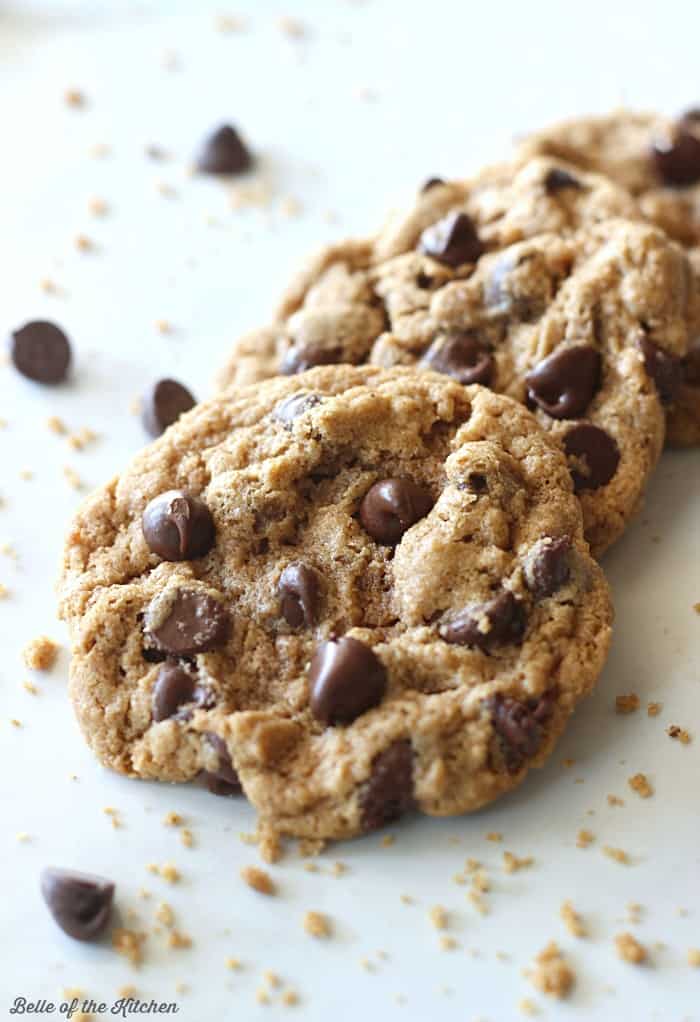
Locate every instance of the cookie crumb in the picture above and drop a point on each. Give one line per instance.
(316, 924)
(438, 917)
(448, 943)
(291, 27)
(694, 957)
(258, 879)
(614, 800)
(97, 206)
(234, 964)
(527, 1007)
(552, 974)
(629, 949)
(4, 592)
(584, 838)
(74, 98)
(494, 835)
(616, 853)
(56, 425)
(678, 733)
(169, 873)
(40, 654)
(654, 709)
(387, 840)
(30, 687)
(572, 920)
(179, 940)
(226, 23)
(290, 998)
(83, 243)
(163, 326)
(72, 477)
(640, 784)
(165, 914)
(187, 837)
(129, 943)
(172, 819)
(512, 863)
(627, 703)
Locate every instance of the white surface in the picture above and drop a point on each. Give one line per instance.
(451, 87)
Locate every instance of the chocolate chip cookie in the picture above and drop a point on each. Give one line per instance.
(537, 282)
(347, 594)
(658, 160)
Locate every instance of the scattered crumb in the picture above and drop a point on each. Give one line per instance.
(480, 882)
(227, 23)
(15, 722)
(30, 687)
(73, 478)
(654, 709)
(289, 206)
(338, 869)
(613, 800)
(165, 914)
(271, 978)
(478, 902)
(48, 286)
(233, 964)
(83, 243)
(316, 924)
(629, 949)
(438, 917)
(258, 879)
(679, 733)
(512, 863)
(4, 592)
(172, 819)
(23, 837)
(56, 425)
(128, 990)
(447, 943)
(627, 703)
(129, 943)
(179, 940)
(262, 996)
(616, 853)
(387, 841)
(640, 784)
(187, 837)
(269, 845)
(694, 957)
(74, 98)
(169, 873)
(406, 899)
(254, 194)
(291, 27)
(290, 998)
(163, 326)
(552, 974)
(310, 847)
(572, 920)
(494, 835)
(81, 438)
(113, 815)
(527, 1007)
(97, 206)
(40, 654)
(634, 912)
(26, 474)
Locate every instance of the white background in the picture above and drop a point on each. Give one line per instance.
(375, 98)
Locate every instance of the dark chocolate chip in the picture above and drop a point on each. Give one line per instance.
(178, 526)
(163, 404)
(462, 356)
(596, 456)
(298, 592)
(346, 679)
(292, 407)
(81, 903)
(432, 182)
(691, 366)
(174, 687)
(224, 152)
(477, 482)
(388, 793)
(392, 506)
(665, 370)
(691, 116)
(196, 623)
(41, 352)
(547, 567)
(519, 726)
(497, 622)
(557, 180)
(224, 780)
(677, 156)
(301, 357)
(452, 240)
(563, 384)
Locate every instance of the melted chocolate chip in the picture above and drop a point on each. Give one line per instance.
(547, 567)
(461, 356)
(224, 152)
(224, 780)
(432, 182)
(519, 726)
(595, 454)
(301, 357)
(563, 384)
(174, 687)
(163, 404)
(196, 623)
(178, 526)
(81, 903)
(346, 679)
(298, 592)
(665, 370)
(392, 506)
(41, 352)
(497, 622)
(557, 180)
(676, 156)
(452, 240)
(292, 407)
(388, 793)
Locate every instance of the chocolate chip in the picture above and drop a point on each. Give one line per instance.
(224, 152)
(392, 506)
(519, 726)
(665, 370)
(388, 793)
(497, 622)
(41, 352)
(691, 366)
(292, 407)
(163, 404)
(557, 180)
(298, 592)
(596, 455)
(178, 526)
(196, 623)
(461, 356)
(81, 903)
(224, 780)
(346, 679)
(563, 384)
(432, 182)
(452, 240)
(173, 688)
(547, 567)
(301, 357)
(477, 482)
(676, 156)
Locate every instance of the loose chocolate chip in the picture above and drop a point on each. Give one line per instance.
(80, 903)
(677, 156)
(557, 180)
(691, 366)
(392, 506)
(163, 404)
(547, 568)
(596, 455)
(178, 526)
(432, 182)
(497, 622)
(173, 688)
(301, 357)
(452, 240)
(196, 623)
(292, 407)
(665, 370)
(346, 679)
(298, 592)
(461, 356)
(563, 384)
(224, 152)
(518, 725)
(41, 352)
(388, 793)
(224, 780)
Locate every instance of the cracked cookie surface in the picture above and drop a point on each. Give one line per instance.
(348, 593)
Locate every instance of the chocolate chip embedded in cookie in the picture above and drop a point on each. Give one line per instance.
(363, 592)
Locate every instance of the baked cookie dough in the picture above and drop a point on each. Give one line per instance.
(658, 160)
(537, 282)
(347, 594)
